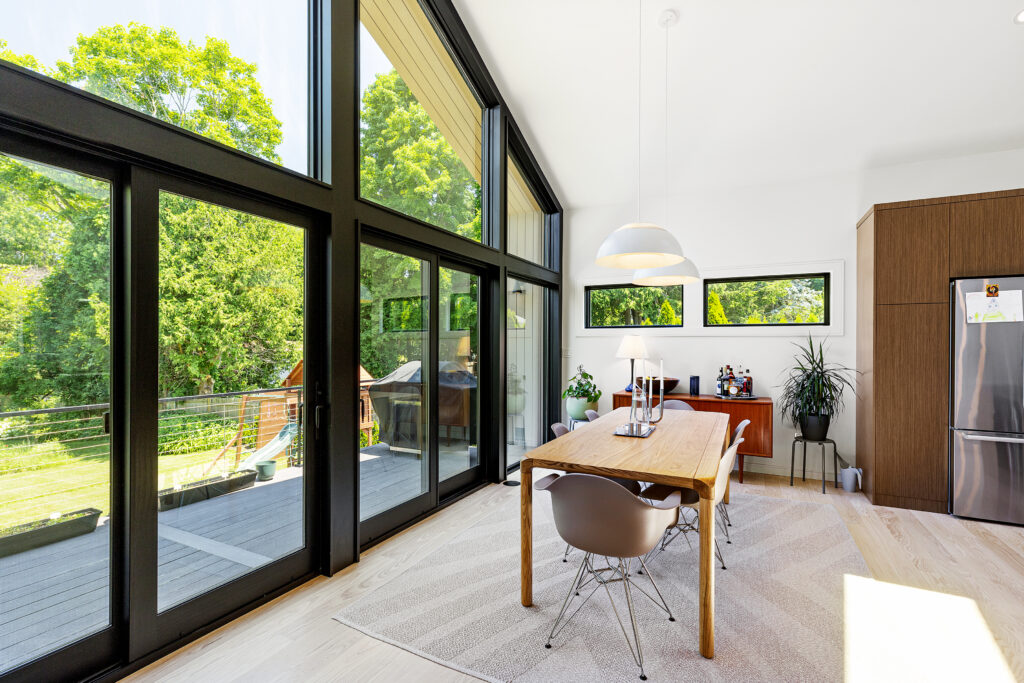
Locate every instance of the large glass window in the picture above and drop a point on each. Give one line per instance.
(524, 373)
(459, 373)
(55, 457)
(234, 71)
(634, 306)
(231, 432)
(775, 300)
(525, 217)
(394, 465)
(420, 123)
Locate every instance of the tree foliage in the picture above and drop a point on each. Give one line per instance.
(632, 306)
(231, 301)
(763, 302)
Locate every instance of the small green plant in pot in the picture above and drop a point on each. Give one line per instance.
(581, 395)
(813, 392)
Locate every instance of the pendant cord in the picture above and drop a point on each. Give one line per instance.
(639, 94)
(665, 156)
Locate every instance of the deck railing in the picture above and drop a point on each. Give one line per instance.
(57, 460)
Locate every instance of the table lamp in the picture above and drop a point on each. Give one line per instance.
(632, 347)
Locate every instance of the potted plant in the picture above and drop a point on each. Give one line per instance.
(581, 395)
(57, 527)
(813, 392)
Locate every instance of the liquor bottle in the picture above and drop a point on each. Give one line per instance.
(718, 381)
(748, 387)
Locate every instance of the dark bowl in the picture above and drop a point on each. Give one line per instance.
(670, 384)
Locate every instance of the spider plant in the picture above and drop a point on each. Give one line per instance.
(813, 391)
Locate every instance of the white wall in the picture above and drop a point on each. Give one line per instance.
(808, 226)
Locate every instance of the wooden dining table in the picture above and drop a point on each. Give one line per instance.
(683, 451)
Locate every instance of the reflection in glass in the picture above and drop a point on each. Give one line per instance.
(54, 391)
(458, 373)
(230, 442)
(524, 401)
(393, 355)
(420, 123)
(525, 217)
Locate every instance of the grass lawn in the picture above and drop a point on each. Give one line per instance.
(43, 479)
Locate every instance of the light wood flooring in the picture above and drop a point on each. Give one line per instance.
(294, 637)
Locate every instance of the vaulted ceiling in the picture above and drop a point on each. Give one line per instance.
(759, 92)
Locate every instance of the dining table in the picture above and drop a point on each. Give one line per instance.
(684, 450)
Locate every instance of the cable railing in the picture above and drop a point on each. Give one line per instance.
(56, 460)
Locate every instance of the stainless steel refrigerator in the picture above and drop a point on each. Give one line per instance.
(987, 407)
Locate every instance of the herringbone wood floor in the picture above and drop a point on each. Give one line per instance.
(294, 637)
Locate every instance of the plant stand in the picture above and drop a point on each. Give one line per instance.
(803, 477)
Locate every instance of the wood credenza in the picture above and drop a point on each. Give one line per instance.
(757, 438)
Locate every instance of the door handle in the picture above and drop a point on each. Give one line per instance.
(998, 439)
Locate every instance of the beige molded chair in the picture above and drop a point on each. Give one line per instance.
(691, 501)
(675, 404)
(559, 429)
(605, 521)
(592, 415)
(723, 507)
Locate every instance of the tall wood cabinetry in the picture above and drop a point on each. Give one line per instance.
(907, 253)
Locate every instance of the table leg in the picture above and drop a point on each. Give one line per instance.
(526, 531)
(803, 476)
(706, 512)
(741, 469)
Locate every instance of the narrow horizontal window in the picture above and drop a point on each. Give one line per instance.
(767, 301)
(634, 306)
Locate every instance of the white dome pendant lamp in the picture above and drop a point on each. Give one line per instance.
(684, 272)
(639, 245)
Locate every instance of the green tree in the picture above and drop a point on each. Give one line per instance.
(667, 316)
(408, 165)
(628, 306)
(202, 88)
(716, 314)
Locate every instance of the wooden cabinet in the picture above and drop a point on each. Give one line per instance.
(987, 237)
(912, 255)
(911, 405)
(757, 437)
(907, 253)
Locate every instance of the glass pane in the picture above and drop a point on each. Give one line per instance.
(230, 450)
(794, 300)
(232, 70)
(458, 373)
(393, 350)
(525, 218)
(525, 371)
(420, 123)
(54, 388)
(634, 306)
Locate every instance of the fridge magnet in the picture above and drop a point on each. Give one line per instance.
(991, 290)
(1001, 307)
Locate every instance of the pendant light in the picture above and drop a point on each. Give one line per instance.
(684, 272)
(639, 245)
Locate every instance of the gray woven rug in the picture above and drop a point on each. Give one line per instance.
(778, 616)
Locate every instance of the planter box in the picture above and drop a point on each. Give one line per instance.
(204, 489)
(44, 532)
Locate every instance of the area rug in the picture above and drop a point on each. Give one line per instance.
(778, 616)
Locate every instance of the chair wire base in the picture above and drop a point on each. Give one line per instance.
(683, 528)
(588, 574)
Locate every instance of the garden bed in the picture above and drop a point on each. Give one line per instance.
(204, 489)
(24, 537)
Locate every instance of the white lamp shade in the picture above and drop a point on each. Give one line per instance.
(677, 274)
(639, 245)
(632, 346)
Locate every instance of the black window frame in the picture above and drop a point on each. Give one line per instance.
(827, 293)
(586, 308)
(147, 155)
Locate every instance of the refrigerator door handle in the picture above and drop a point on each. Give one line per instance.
(1000, 439)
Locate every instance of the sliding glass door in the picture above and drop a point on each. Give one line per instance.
(58, 526)
(419, 406)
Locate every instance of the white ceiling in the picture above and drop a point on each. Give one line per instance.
(761, 91)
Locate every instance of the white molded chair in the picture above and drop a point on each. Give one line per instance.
(675, 404)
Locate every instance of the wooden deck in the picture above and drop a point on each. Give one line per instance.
(54, 595)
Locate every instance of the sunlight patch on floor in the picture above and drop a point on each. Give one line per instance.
(899, 633)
